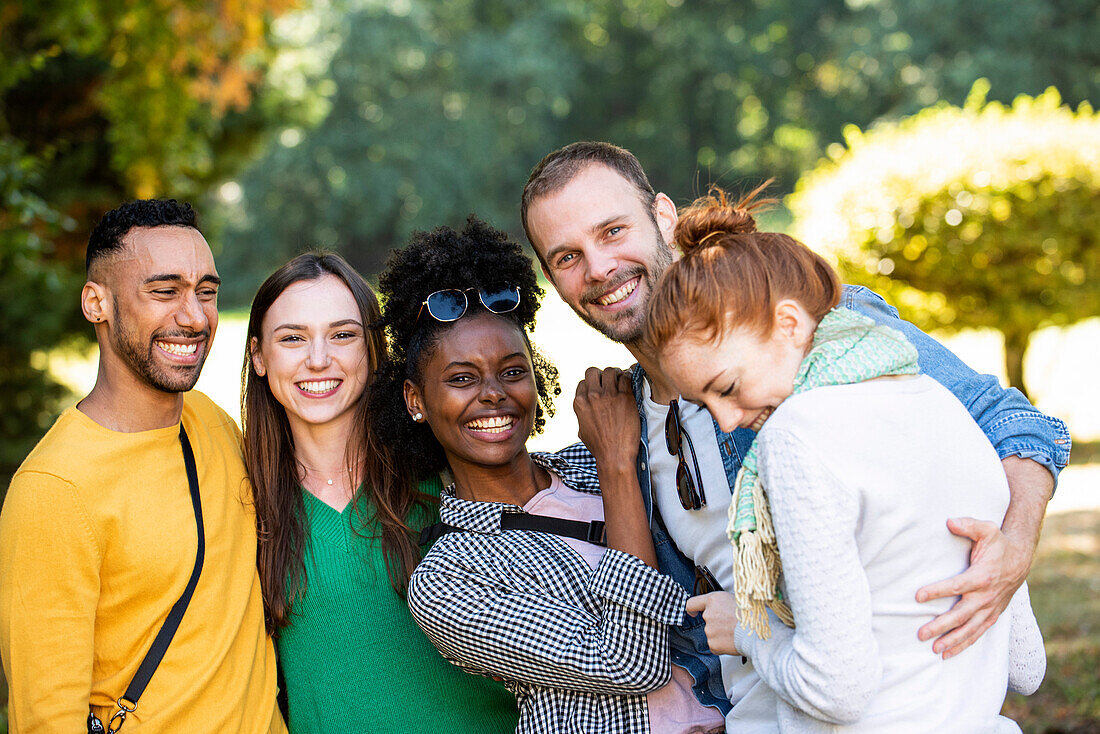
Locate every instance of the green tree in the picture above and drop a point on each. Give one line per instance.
(102, 101)
(434, 111)
(716, 90)
(31, 286)
(981, 216)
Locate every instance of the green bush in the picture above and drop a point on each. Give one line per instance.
(33, 285)
(981, 216)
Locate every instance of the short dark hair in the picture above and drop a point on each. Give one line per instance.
(560, 167)
(108, 234)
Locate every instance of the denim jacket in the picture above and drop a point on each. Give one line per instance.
(1013, 425)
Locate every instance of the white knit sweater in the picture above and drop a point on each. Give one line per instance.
(861, 480)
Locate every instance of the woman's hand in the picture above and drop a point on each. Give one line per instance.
(608, 422)
(607, 417)
(720, 615)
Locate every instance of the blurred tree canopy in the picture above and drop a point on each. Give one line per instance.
(981, 216)
(102, 101)
(361, 120)
(30, 287)
(435, 110)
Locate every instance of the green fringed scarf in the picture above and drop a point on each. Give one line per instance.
(847, 348)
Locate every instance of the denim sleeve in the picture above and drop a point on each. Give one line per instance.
(1013, 425)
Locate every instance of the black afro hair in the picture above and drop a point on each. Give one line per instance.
(477, 256)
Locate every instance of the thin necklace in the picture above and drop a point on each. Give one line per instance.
(324, 474)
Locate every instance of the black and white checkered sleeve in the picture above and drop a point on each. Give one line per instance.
(504, 624)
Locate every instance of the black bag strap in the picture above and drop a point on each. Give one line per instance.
(128, 702)
(592, 532)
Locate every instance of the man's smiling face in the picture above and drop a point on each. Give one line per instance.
(164, 290)
(603, 248)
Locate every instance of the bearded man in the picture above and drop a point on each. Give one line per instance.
(103, 531)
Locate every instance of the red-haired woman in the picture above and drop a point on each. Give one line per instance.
(840, 508)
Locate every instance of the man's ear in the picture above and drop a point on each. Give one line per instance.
(664, 211)
(414, 401)
(257, 358)
(95, 302)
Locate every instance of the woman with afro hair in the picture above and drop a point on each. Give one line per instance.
(525, 582)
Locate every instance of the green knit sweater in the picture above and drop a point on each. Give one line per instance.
(354, 660)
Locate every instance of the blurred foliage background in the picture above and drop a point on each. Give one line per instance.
(348, 123)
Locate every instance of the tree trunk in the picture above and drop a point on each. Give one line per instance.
(1015, 346)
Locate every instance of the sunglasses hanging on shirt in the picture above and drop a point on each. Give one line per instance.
(450, 304)
(688, 487)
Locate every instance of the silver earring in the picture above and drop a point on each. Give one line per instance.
(418, 417)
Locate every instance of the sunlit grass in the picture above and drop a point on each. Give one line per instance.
(1065, 592)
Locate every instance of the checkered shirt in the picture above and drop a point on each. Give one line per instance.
(579, 647)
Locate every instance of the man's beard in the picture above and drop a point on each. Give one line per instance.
(629, 327)
(139, 358)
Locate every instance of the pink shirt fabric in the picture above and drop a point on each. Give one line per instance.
(673, 708)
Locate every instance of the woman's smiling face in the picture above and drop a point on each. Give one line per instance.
(313, 351)
(477, 391)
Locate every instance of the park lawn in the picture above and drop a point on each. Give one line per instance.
(1065, 593)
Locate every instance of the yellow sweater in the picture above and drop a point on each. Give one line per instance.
(97, 542)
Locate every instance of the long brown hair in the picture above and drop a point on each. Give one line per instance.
(731, 274)
(273, 471)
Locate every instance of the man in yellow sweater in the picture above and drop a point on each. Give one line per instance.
(98, 534)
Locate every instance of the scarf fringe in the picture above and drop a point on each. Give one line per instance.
(756, 571)
(763, 515)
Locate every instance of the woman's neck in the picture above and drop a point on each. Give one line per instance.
(322, 448)
(322, 458)
(513, 483)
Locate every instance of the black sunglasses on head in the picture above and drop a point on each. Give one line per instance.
(450, 304)
(689, 488)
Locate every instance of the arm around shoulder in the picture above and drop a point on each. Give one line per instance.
(49, 590)
(1013, 425)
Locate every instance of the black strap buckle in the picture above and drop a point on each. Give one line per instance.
(597, 532)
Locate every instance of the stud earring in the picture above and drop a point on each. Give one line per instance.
(418, 417)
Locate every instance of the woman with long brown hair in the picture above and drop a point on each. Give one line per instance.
(336, 541)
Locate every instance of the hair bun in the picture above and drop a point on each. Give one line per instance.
(710, 217)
